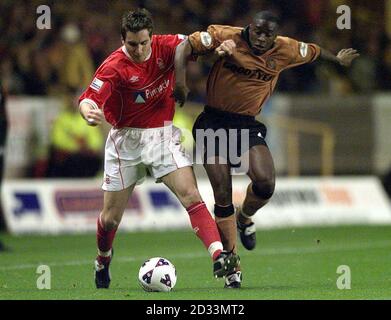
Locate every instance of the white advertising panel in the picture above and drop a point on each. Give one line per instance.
(55, 206)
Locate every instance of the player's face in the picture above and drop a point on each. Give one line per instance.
(262, 35)
(138, 44)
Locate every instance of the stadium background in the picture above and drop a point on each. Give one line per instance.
(328, 132)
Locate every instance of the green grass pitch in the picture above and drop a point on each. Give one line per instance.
(290, 263)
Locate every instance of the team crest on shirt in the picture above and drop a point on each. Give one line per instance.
(271, 63)
(160, 63)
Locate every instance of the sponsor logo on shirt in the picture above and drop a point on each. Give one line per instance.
(252, 74)
(139, 97)
(150, 93)
(96, 84)
(143, 96)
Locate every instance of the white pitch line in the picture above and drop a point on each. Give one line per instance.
(319, 248)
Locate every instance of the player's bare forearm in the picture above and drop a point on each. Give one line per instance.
(182, 52)
(344, 57)
(328, 56)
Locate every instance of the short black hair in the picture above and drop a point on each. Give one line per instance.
(135, 21)
(268, 16)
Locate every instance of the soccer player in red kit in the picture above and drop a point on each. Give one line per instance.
(133, 91)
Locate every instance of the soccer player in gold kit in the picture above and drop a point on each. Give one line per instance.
(244, 76)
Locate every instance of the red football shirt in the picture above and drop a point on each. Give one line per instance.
(137, 95)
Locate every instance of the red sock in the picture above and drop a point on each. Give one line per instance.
(104, 241)
(205, 228)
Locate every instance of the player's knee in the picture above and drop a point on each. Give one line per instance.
(109, 222)
(263, 188)
(223, 195)
(190, 196)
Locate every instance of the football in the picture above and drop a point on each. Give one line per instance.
(157, 275)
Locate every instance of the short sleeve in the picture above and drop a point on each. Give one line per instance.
(106, 80)
(303, 53)
(168, 44)
(172, 40)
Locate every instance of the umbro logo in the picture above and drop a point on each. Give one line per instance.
(134, 79)
(260, 135)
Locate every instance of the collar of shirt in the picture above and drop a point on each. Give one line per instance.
(245, 34)
(128, 55)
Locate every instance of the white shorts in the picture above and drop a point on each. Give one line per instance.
(130, 152)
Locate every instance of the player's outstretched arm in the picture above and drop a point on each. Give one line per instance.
(92, 115)
(182, 52)
(344, 57)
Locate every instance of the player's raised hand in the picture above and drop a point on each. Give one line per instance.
(346, 56)
(180, 94)
(226, 48)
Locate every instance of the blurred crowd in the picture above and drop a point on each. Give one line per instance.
(83, 33)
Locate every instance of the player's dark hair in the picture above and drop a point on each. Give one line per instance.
(268, 16)
(135, 21)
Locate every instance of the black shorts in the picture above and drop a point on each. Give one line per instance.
(236, 127)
